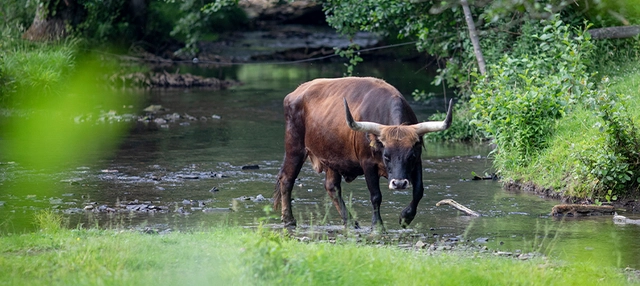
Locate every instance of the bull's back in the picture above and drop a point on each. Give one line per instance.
(319, 106)
(370, 99)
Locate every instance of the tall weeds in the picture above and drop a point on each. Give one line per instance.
(35, 68)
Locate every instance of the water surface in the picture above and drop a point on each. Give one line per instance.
(194, 169)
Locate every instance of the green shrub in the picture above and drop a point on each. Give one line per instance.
(522, 95)
(199, 22)
(460, 129)
(549, 73)
(610, 166)
(17, 13)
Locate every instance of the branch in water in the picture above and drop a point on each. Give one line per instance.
(458, 206)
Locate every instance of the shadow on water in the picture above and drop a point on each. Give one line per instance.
(190, 174)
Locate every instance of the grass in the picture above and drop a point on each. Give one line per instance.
(236, 256)
(555, 166)
(37, 68)
(90, 257)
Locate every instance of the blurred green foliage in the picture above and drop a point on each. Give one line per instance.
(49, 138)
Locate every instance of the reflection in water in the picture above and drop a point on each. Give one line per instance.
(195, 171)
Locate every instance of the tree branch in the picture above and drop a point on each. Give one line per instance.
(458, 206)
(473, 34)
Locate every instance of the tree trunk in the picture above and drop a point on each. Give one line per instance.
(614, 32)
(137, 16)
(474, 36)
(44, 27)
(52, 19)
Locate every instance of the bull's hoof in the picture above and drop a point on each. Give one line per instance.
(291, 224)
(378, 229)
(406, 217)
(403, 222)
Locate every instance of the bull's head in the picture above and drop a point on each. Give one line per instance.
(402, 145)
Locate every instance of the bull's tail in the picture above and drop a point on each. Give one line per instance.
(277, 195)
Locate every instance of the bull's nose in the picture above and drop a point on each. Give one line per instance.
(396, 184)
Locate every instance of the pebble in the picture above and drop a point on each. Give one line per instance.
(181, 210)
(215, 210)
(189, 177)
(259, 198)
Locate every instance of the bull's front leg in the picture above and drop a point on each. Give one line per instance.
(409, 212)
(373, 184)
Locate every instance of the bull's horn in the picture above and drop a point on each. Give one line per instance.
(433, 126)
(361, 126)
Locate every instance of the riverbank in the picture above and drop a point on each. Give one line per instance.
(578, 154)
(237, 256)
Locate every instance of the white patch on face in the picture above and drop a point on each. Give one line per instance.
(399, 184)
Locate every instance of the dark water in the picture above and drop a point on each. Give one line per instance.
(177, 167)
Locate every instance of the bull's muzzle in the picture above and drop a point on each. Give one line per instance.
(398, 184)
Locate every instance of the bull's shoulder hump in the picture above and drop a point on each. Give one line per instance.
(342, 81)
(334, 89)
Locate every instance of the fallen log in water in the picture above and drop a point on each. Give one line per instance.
(457, 206)
(168, 80)
(581, 210)
(618, 219)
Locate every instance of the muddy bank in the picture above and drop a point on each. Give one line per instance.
(629, 204)
(165, 79)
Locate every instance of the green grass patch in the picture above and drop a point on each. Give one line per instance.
(35, 69)
(581, 134)
(554, 166)
(236, 256)
(555, 121)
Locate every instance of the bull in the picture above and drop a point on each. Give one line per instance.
(381, 138)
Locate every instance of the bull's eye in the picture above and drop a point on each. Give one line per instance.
(386, 158)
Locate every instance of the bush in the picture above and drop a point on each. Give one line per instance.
(610, 166)
(35, 69)
(460, 129)
(520, 98)
(199, 23)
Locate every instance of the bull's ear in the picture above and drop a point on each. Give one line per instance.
(362, 126)
(374, 142)
(433, 126)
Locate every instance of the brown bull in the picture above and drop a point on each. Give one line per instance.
(385, 139)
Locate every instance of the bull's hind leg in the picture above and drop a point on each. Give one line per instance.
(294, 156)
(286, 178)
(332, 185)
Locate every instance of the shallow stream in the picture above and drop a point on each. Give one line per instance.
(194, 173)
